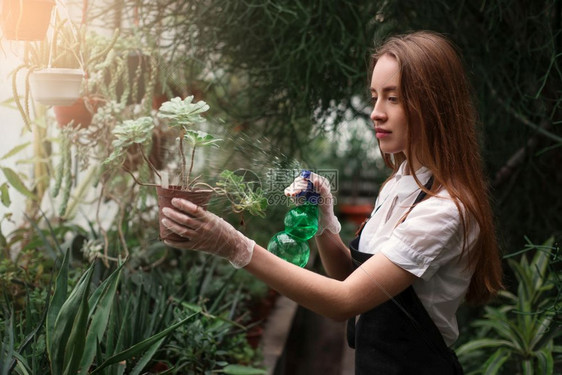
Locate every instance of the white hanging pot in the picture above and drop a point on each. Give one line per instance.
(56, 86)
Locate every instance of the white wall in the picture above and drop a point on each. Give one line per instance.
(11, 130)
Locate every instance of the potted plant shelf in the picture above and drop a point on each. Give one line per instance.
(183, 116)
(26, 20)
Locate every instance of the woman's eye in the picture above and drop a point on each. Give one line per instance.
(393, 99)
(373, 100)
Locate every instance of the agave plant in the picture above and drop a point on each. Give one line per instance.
(111, 321)
(519, 335)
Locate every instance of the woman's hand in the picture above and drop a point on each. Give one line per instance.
(207, 232)
(327, 219)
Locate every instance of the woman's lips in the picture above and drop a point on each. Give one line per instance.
(381, 133)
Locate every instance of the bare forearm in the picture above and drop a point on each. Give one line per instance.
(372, 284)
(318, 293)
(335, 298)
(334, 254)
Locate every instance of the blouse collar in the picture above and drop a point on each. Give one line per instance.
(406, 183)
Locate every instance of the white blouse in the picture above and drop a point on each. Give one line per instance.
(427, 244)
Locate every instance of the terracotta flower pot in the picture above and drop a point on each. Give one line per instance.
(254, 335)
(26, 19)
(78, 113)
(356, 212)
(158, 100)
(165, 196)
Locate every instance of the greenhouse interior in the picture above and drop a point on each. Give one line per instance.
(113, 111)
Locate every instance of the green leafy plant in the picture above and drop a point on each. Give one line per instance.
(244, 195)
(13, 179)
(76, 325)
(520, 334)
(183, 115)
(67, 330)
(217, 340)
(119, 319)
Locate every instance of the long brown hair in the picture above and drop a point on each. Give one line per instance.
(442, 135)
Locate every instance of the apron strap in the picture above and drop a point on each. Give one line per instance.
(435, 339)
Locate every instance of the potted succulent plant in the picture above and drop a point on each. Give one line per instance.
(183, 116)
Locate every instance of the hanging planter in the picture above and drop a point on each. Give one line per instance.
(56, 86)
(138, 65)
(131, 86)
(165, 196)
(78, 115)
(26, 19)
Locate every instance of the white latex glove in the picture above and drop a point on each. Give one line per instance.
(327, 219)
(207, 232)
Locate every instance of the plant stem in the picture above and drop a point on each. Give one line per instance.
(190, 166)
(23, 110)
(102, 230)
(152, 167)
(183, 166)
(136, 180)
(213, 188)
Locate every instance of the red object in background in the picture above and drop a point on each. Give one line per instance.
(357, 213)
(158, 100)
(260, 311)
(77, 112)
(26, 19)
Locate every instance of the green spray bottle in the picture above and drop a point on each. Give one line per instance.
(301, 224)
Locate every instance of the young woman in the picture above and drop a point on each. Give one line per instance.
(429, 243)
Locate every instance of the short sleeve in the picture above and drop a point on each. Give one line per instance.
(430, 236)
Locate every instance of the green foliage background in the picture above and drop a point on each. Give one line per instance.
(288, 71)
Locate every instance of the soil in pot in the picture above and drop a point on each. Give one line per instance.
(165, 196)
(79, 114)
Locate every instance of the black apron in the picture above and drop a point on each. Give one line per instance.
(398, 337)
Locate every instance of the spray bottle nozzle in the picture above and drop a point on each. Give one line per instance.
(309, 195)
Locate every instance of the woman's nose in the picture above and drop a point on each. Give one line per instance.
(378, 114)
